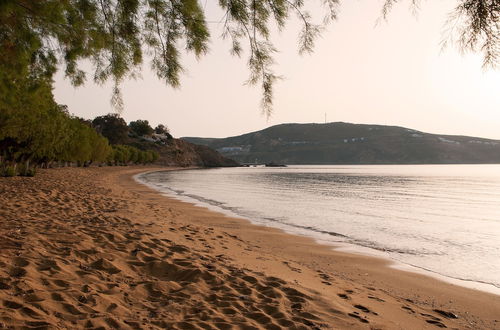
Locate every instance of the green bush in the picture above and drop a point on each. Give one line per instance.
(25, 170)
(9, 171)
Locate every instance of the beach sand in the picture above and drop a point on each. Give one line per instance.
(91, 248)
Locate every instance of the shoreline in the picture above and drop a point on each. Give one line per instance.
(94, 248)
(337, 246)
(382, 265)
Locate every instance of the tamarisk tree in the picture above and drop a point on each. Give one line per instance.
(38, 36)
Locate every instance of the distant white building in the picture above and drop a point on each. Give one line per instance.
(230, 149)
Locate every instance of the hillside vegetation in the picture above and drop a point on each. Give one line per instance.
(177, 152)
(51, 137)
(345, 143)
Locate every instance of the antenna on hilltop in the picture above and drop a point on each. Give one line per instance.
(325, 117)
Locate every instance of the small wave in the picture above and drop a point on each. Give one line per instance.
(178, 192)
(204, 200)
(310, 228)
(331, 233)
(387, 249)
(457, 278)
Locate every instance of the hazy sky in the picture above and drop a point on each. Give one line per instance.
(394, 73)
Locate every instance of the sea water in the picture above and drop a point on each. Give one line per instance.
(444, 219)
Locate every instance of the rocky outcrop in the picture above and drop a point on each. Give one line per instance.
(177, 152)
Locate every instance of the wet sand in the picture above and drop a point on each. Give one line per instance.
(91, 248)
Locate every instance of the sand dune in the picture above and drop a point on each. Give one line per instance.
(89, 248)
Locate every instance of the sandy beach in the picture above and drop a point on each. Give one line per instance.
(92, 248)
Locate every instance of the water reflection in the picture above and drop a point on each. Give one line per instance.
(445, 218)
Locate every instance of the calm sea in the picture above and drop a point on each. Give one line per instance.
(444, 219)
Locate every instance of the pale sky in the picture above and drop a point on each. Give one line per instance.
(394, 73)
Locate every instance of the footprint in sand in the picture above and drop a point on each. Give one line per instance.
(12, 304)
(409, 309)
(436, 323)
(446, 314)
(293, 269)
(376, 298)
(362, 308)
(343, 296)
(358, 317)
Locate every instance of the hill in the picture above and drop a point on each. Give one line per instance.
(345, 143)
(177, 152)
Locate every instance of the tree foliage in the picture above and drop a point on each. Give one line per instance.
(38, 36)
(474, 25)
(124, 155)
(161, 129)
(47, 135)
(113, 127)
(140, 127)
